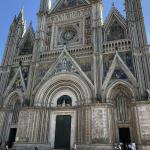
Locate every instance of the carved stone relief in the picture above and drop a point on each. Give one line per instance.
(69, 4)
(49, 35)
(68, 34)
(25, 73)
(69, 15)
(144, 122)
(64, 65)
(99, 125)
(23, 126)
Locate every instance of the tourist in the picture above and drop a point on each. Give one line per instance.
(74, 147)
(36, 148)
(116, 147)
(133, 145)
(129, 147)
(6, 146)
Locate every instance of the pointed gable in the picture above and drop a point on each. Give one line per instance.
(66, 4)
(64, 64)
(27, 42)
(114, 25)
(17, 82)
(118, 70)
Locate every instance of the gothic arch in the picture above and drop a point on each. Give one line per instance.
(124, 86)
(12, 97)
(68, 84)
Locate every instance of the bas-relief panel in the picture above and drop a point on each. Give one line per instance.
(23, 126)
(41, 71)
(69, 15)
(99, 125)
(144, 122)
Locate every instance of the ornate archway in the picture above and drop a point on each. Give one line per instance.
(121, 95)
(13, 102)
(70, 84)
(62, 94)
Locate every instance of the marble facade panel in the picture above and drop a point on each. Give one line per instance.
(100, 125)
(144, 122)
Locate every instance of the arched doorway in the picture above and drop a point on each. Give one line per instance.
(63, 93)
(13, 103)
(63, 125)
(122, 117)
(121, 95)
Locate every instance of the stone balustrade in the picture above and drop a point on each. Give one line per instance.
(24, 58)
(77, 52)
(117, 45)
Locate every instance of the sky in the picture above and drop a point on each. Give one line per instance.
(10, 8)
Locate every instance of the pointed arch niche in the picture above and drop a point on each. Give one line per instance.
(115, 27)
(14, 103)
(115, 31)
(121, 95)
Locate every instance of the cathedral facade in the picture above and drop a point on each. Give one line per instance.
(77, 79)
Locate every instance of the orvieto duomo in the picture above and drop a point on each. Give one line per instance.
(77, 79)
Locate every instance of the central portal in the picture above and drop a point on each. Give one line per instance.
(63, 132)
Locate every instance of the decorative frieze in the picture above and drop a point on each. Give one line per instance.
(69, 15)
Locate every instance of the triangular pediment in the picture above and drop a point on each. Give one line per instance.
(119, 70)
(67, 4)
(114, 15)
(17, 82)
(64, 64)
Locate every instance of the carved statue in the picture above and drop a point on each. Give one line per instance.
(147, 94)
(26, 103)
(98, 98)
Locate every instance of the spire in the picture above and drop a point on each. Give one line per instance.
(20, 18)
(21, 14)
(21, 22)
(31, 26)
(14, 21)
(113, 4)
(45, 6)
(137, 34)
(135, 15)
(101, 12)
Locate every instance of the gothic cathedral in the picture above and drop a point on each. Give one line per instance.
(77, 79)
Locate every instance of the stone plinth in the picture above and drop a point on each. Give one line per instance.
(31, 146)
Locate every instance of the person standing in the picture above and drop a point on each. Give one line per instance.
(74, 147)
(36, 148)
(133, 145)
(6, 147)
